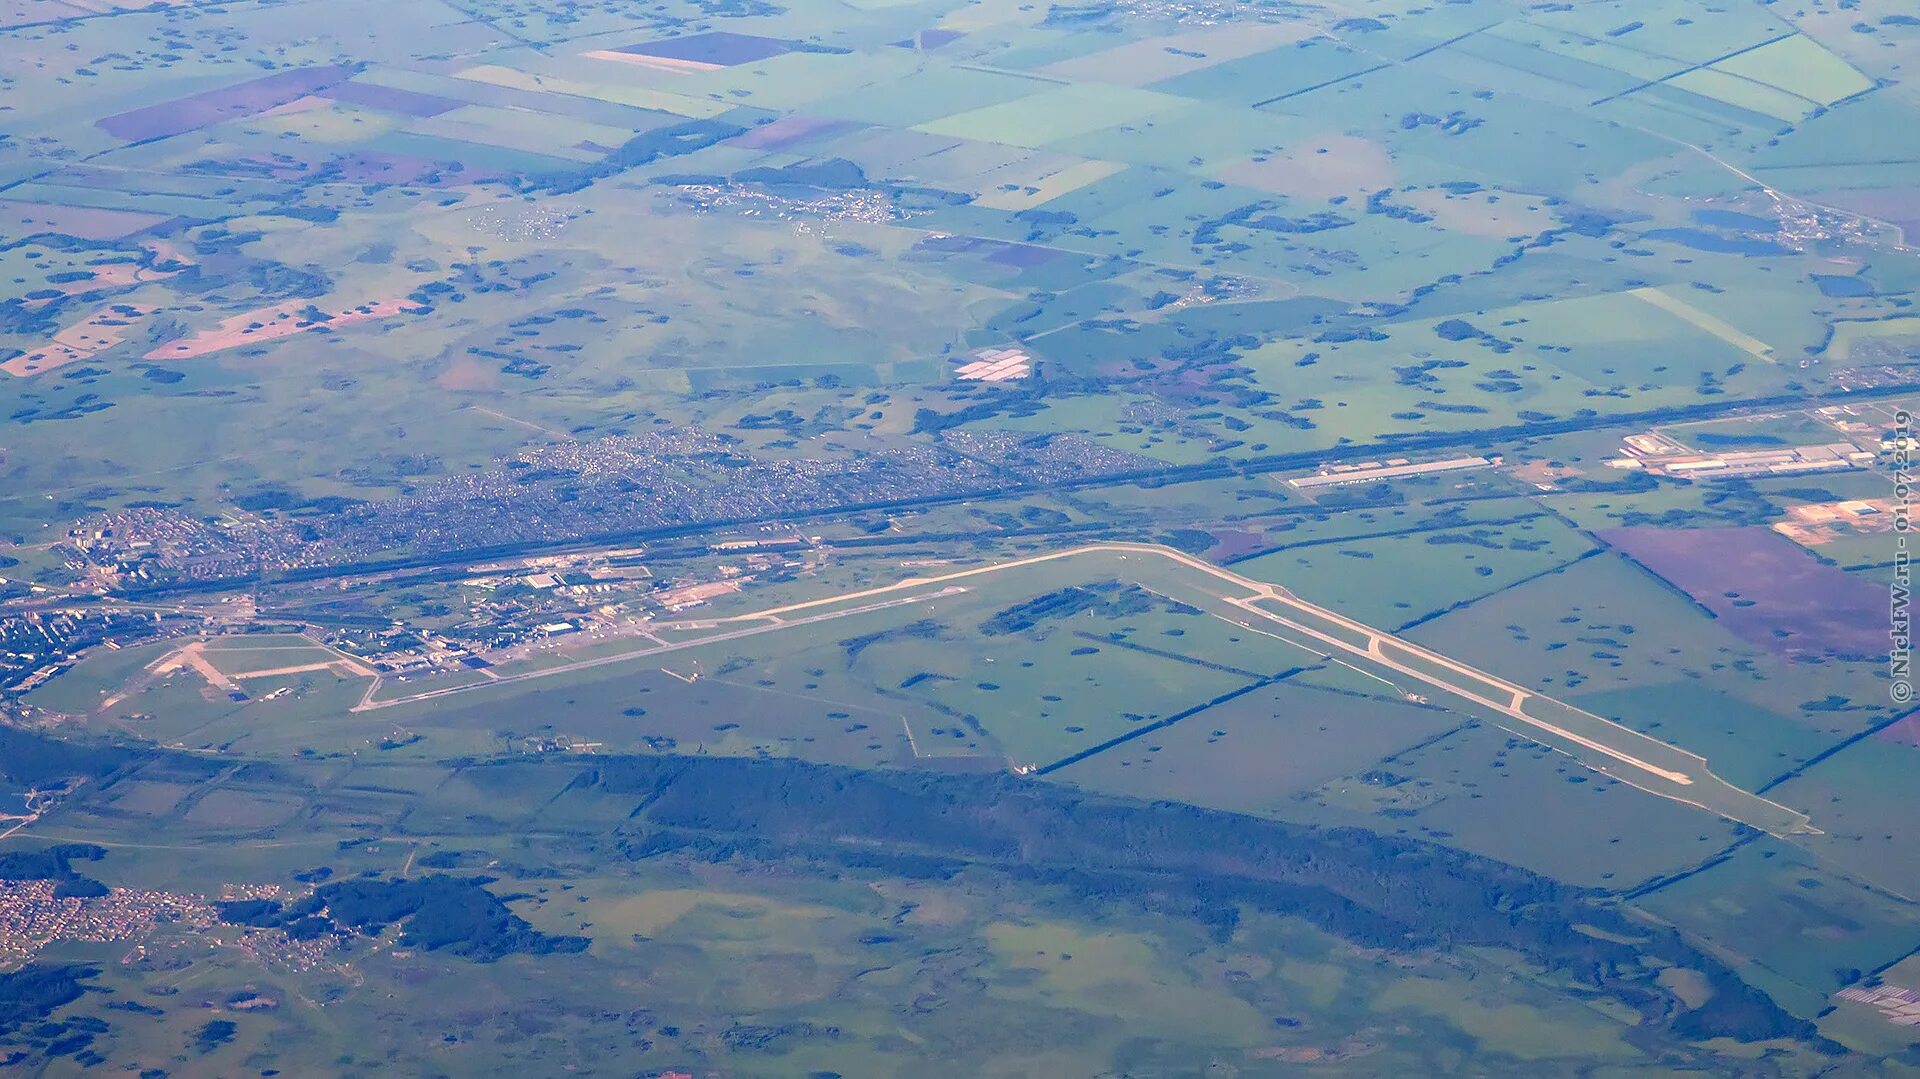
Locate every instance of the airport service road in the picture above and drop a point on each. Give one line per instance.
(1609, 748)
(368, 704)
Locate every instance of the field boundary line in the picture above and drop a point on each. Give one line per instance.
(1375, 649)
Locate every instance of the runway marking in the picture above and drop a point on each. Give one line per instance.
(1691, 771)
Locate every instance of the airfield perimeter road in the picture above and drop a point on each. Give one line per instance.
(1609, 748)
(455, 562)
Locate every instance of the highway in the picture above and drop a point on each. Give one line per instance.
(428, 565)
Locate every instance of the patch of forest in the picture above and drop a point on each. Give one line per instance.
(55, 863)
(1108, 599)
(1374, 890)
(434, 912)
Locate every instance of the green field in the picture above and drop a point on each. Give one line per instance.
(1431, 571)
(1806, 931)
(519, 565)
(1491, 793)
(1258, 753)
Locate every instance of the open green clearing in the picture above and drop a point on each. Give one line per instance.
(1259, 752)
(1486, 791)
(1807, 931)
(1239, 243)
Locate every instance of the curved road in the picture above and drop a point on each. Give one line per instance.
(1610, 748)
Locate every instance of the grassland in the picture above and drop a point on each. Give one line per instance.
(1806, 931)
(1431, 571)
(1027, 735)
(268, 263)
(1259, 752)
(847, 969)
(1485, 791)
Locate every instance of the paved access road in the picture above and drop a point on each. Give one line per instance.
(1609, 748)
